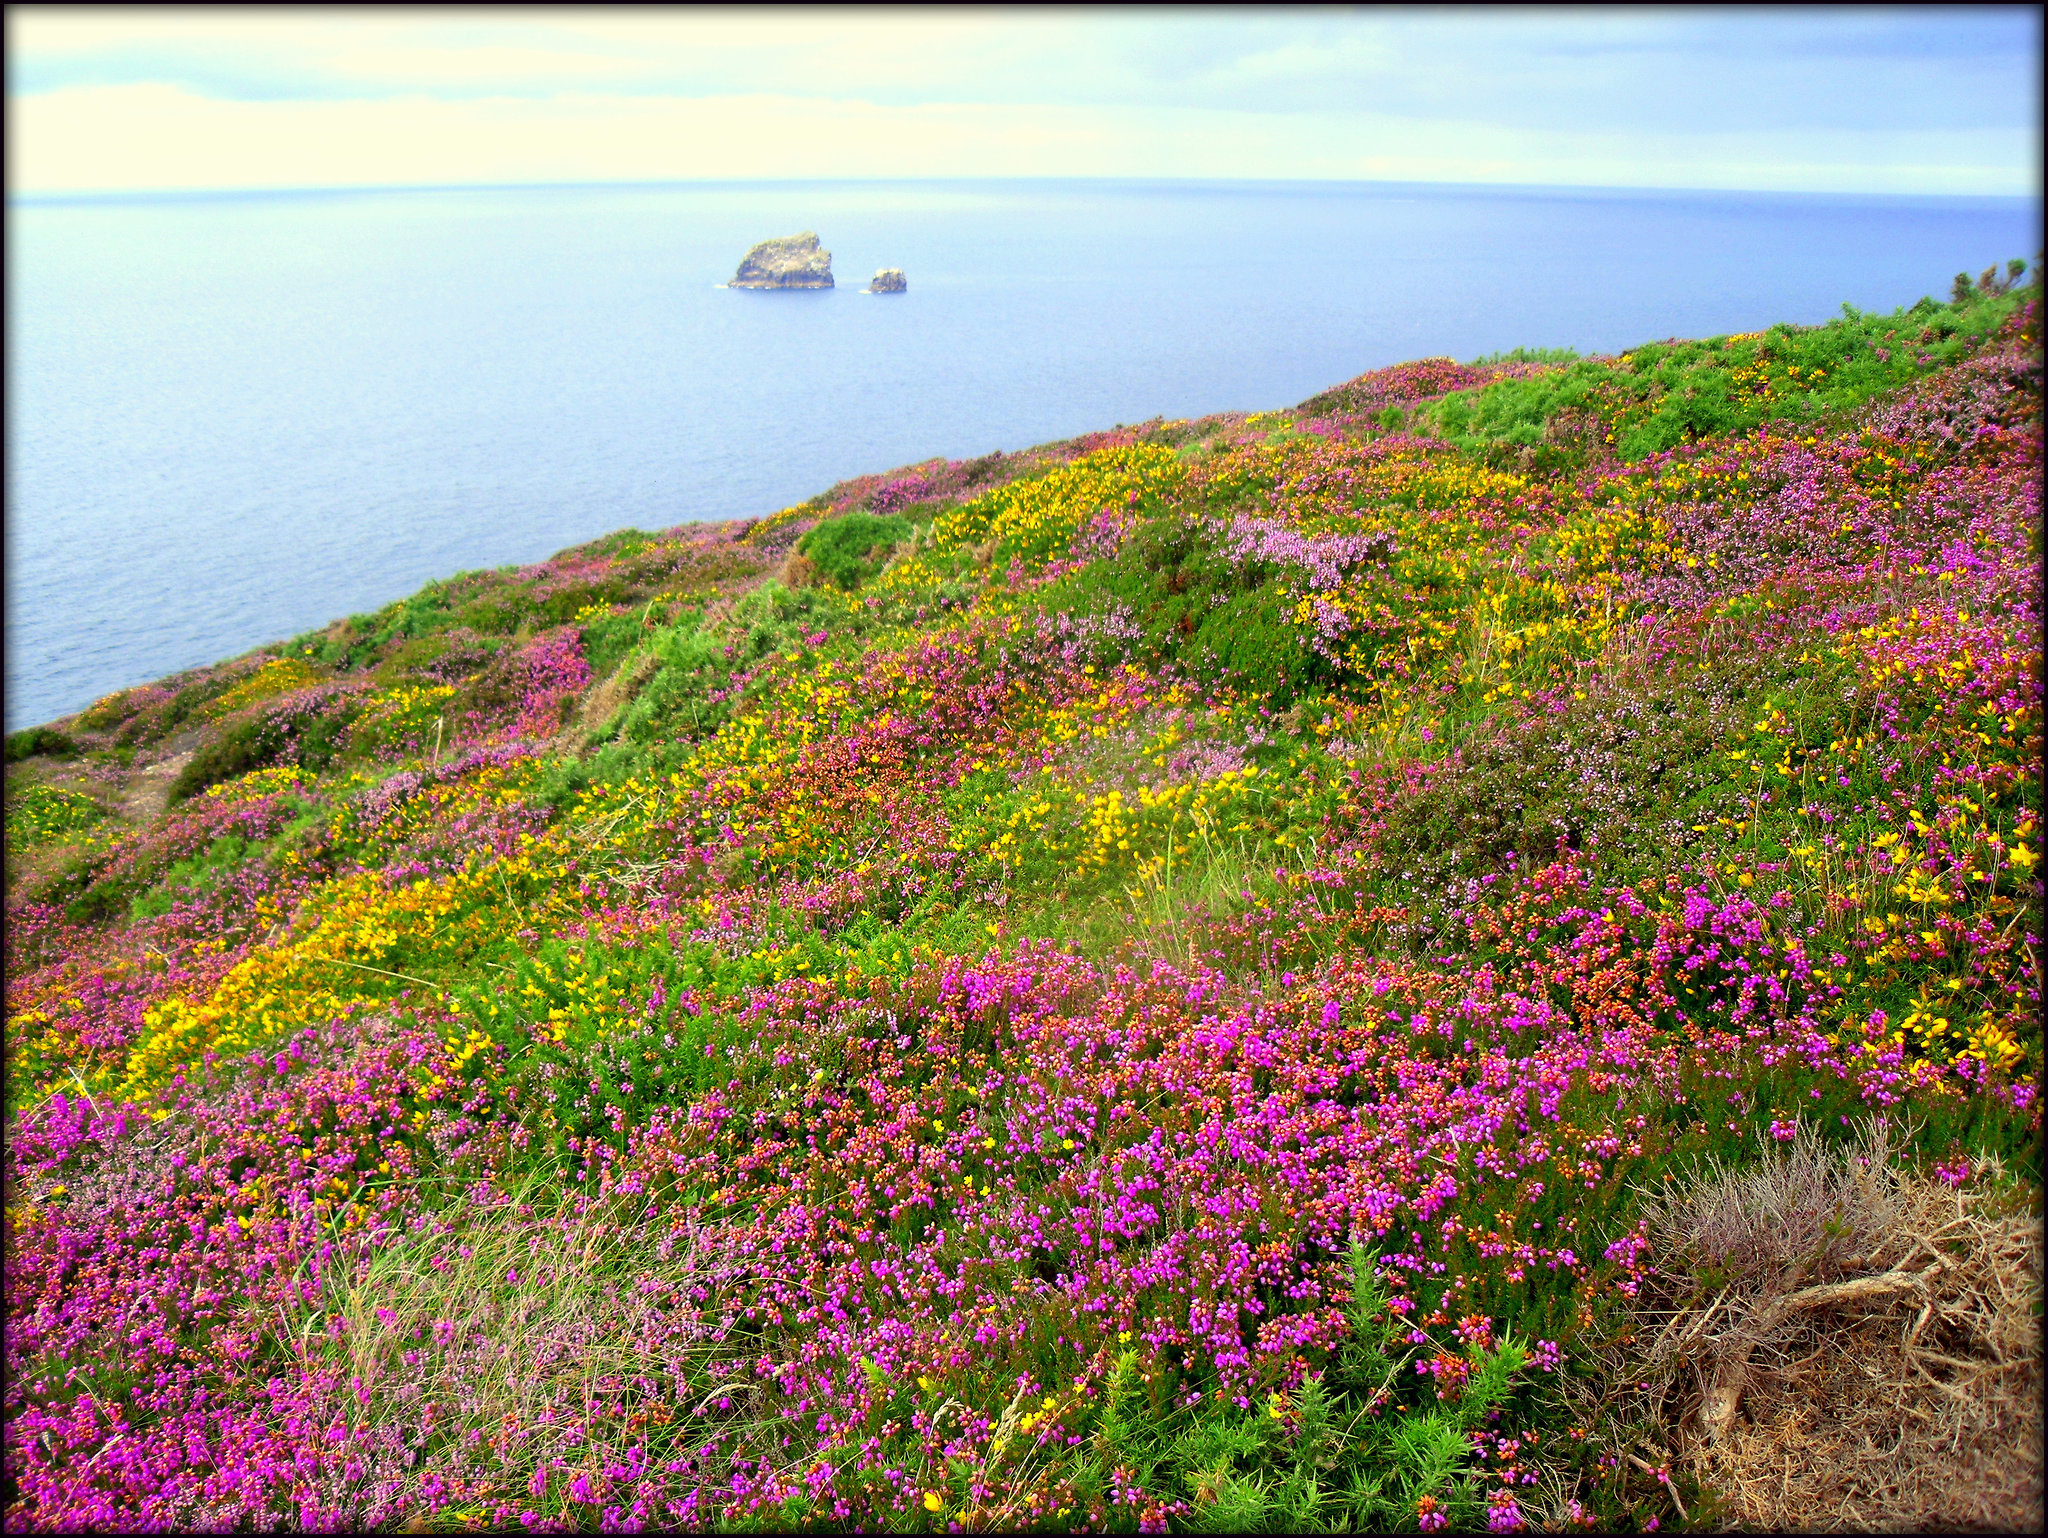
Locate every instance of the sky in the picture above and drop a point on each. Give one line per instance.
(1938, 100)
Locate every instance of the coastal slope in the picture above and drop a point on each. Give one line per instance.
(1312, 965)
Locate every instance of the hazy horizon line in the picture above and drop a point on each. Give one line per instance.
(1608, 189)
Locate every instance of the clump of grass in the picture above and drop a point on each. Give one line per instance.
(308, 728)
(523, 1350)
(1834, 1334)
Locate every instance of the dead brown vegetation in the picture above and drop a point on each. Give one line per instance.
(1835, 1341)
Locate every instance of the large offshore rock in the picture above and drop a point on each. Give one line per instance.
(794, 261)
(888, 281)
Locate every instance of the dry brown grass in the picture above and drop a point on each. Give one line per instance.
(1836, 1342)
(601, 706)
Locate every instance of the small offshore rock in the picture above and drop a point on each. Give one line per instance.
(793, 261)
(888, 281)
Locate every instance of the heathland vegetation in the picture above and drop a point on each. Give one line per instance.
(1467, 954)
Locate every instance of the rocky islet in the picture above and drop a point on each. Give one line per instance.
(790, 261)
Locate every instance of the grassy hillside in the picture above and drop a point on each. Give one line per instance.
(1200, 976)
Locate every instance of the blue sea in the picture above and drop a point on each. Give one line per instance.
(235, 418)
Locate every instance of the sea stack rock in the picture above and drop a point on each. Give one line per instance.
(888, 281)
(795, 261)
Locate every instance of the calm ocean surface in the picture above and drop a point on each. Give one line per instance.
(232, 419)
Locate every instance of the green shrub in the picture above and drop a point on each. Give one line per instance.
(103, 715)
(39, 742)
(241, 746)
(564, 779)
(675, 701)
(136, 720)
(1629, 774)
(446, 656)
(620, 544)
(851, 550)
(199, 871)
(546, 1014)
(493, 615)
(562, 606)
(1357, 1445)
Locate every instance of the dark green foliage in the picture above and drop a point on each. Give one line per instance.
(494, 613)
(496, 687)
(620, 544)
(667, 680)
(135, 721)
(446, 656)
(985, 468)
(38, 814)
(566, 778)
(1193, 607)
(1175, 434)
(184, 703)
(39, 742)
(775, 618)
(242, 746)
(312, 736)
(1627, 773)
(345, 644)
(106, 714)
(851, 550)
(74, 887)
(603, 1074)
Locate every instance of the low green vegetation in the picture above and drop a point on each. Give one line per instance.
(1658, 396)
(851, 549)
